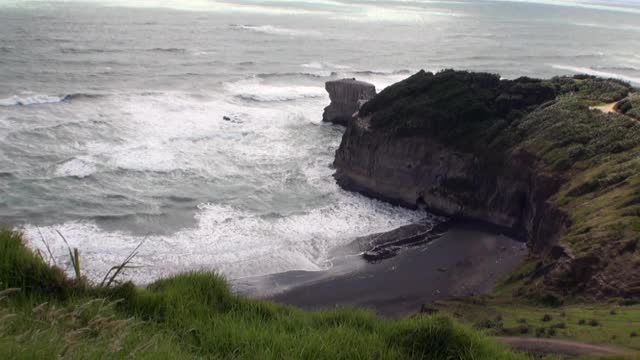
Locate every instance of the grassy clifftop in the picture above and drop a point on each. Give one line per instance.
(45, 315)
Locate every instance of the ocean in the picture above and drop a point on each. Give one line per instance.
(195, 126)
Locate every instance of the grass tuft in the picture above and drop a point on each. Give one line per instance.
(19, 268)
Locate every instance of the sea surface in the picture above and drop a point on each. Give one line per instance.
(194, 126)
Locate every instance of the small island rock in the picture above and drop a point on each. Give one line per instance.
(347, 96)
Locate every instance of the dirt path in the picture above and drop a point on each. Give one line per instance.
(607, 108)
(561, 347)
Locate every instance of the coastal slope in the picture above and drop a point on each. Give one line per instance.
(526, 155)
(196, 316)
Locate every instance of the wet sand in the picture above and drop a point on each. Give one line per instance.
(466, 260)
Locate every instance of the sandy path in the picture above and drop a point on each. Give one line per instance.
(561, 347)
(607, 108)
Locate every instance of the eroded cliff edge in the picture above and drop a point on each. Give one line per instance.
(527, 155)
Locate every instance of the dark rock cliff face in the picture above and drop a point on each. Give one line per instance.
(409, 166)
(517, 154)
(347, 95)
(416, 170)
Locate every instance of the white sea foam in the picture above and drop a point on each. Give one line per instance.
(590, 71)
(164, 132)
(313, 65)
(276, 30)
(79, 167)
(27, 98)
(31, 100)
(381, 78)
(274, 150)
(324, 65)
(257, 91)
(234, 242)
(401, 14)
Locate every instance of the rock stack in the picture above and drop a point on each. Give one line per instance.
(347, 96)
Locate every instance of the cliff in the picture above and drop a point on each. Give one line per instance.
(346, 95)
(527, 155)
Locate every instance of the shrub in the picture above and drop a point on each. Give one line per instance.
(437, 338)
(489, 324)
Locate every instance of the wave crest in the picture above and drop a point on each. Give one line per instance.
(254, 91)
(274, 30)
(590, 71)
(291, 74)
(39, 99)
(31, 100)
(75, 167)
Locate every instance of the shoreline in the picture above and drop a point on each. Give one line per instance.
(466, 260)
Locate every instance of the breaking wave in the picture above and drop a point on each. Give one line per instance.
(373, 72)
(324, 65)
(75, 167)
(256, 91)
(275, 30)
(590, 71)
(227, 239)
(291, 74)
(39, 99)
(31, 100)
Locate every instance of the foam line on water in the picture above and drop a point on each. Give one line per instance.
(254, 90)
(234, 242)
(31, 100)
(590, 71)
(79, 167)
(275, 30)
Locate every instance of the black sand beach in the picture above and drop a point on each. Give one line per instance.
(467, 260)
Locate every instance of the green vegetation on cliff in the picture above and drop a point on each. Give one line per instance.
(588, 160)
(630, 106)
(595, 156)
(477, 110)
(597, 323)
(452, 105)
(45, 315)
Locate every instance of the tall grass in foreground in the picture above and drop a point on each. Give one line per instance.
(195, 315)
